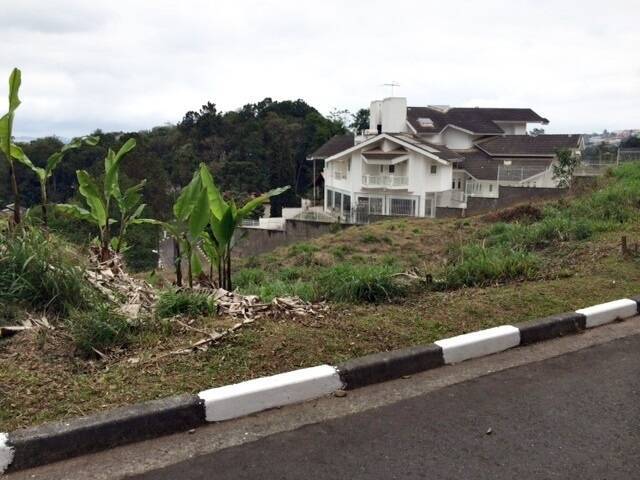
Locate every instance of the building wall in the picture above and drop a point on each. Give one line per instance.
(456, 139)
(513, 128)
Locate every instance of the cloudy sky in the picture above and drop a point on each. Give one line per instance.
(134, 64)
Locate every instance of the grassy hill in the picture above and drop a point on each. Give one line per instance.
(391, 284)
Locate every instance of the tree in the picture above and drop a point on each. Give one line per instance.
(631, 142)
(360, 120)
(564, 167)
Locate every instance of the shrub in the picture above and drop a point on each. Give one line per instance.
(478, 266)
(41, 272)
(99, 329)
(184, 302)
(359, 283)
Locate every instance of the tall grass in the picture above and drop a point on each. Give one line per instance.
(99, 329)
(41, 272)
(359, 283)
(478, 266)
(184, 302)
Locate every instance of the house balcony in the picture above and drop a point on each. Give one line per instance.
(338, 175)
(385, 181)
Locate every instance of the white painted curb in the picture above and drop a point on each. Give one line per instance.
(6, 453)
(608, 312)
(232, 401)
(479, 344)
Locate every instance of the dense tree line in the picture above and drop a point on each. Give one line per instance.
(249, 150)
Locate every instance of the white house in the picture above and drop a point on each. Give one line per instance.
(414, 160)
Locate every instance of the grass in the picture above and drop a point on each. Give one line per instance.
(347, 282)
(359, 283)
(41, 272)
(524, 266)
(173, 302)
(98, 330)
(478, 266)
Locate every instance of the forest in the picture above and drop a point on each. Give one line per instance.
(249, 150)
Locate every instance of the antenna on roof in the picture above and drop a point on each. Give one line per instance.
(392, 85)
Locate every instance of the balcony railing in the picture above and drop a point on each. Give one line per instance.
(338, 175)
(384, 181)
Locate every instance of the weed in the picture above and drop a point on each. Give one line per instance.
(249, 276)
(369, 238)
(98, 329)
(40, 272)
(477, 266)
(359, 283)
(184, 302)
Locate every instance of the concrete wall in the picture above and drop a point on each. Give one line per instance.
(508, 196)
(256, 241)
(511, 196)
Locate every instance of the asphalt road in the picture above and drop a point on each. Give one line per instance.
(572, 416)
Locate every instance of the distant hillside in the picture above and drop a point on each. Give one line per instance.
(253, 149)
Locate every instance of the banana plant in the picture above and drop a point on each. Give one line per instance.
(7, 147)
(53, 161)
(98, 199)
(191, 215)
(130, 208)
(224, 220)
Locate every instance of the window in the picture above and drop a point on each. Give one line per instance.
(375, 205)
(329, 198)
(491, 187)
(459, 184)
(346, 203)
(434, 169)
(453, 185)
(381, 168)
(402, 206)
(428, 207)
(392, 168)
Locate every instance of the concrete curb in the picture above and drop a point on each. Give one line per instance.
(52, 442)
(233, 401)
(384, 366)
(56, 441)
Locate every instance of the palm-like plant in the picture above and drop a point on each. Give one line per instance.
(7, 147)
(224, 220)
(98, 200)
(190, 217)
(53, 161)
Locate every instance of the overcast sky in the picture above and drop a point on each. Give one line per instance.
(130, 65)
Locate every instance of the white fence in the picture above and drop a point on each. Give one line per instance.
(384, 180)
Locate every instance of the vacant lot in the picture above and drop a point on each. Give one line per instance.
(565, 258)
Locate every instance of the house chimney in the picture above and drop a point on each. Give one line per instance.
(394, 115)
(375, 116)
